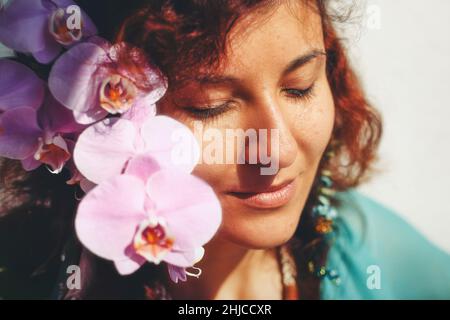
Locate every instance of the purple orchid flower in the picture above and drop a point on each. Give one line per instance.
(43, 27)
(30, 130)
(38, 137)
(97, 79)
(19, 86)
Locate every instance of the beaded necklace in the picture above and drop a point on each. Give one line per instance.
(288, 274)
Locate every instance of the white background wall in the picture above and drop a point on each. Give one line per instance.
(402, 51)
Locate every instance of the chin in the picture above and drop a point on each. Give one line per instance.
(260, 229)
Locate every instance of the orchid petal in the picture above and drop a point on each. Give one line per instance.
(23, 24)
(19, 86)
(88, 27)
(87, 185)
(183, 258)
(177, 149)
(140, 112)
(50, 51)
(188, 205)
(75, 80)
(127, 266)
(103, 149)
(142, 167)
(158, 85)
(109, 215)
(30, 163)
(19, 133)
(55, 154)
(176, 273)
(130, 264)
(55, 118)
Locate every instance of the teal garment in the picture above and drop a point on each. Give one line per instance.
(371, 238)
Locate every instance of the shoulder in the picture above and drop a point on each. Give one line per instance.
(381, 256)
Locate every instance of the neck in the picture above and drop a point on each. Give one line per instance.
(232, 272)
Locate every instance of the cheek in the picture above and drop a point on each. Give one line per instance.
(213, 174)
(313, 125)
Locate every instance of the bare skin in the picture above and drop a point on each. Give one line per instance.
(268, 90)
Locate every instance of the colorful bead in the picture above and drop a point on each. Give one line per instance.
(326, 181)
(332, 213)
(324, 225)
(322, 272)
(320, 211)
(323, 200)
(327, 191)
(326, 173)
(333, 276)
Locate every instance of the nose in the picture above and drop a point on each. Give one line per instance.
(275, 135)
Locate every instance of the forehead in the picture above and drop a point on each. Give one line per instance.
(273, 36)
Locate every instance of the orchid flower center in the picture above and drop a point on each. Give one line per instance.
(117, 94)
(53, 153)
(152, 240)
(60, 31)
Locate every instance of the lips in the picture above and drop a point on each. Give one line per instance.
(270, 198)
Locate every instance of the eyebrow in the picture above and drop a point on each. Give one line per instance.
(292, 66)
(302, 60)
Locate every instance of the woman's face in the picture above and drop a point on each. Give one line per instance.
(272, 77)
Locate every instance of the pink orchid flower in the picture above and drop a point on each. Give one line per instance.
(149, 214)
(38, 137)
(104, 149)
(19, 86)
(97, 79)
(43, 27)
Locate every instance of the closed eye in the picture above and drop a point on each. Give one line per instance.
(299, 94)
(208, 112)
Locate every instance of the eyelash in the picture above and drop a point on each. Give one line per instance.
(211, 112)
(300, 94)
